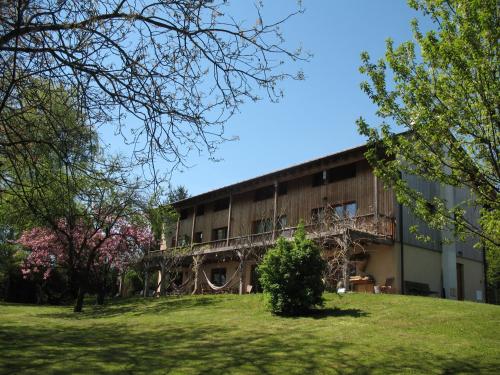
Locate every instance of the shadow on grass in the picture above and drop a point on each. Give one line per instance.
(135, 306)
(205, 349)
(327, 313)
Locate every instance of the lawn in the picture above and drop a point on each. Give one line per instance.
(235, 334)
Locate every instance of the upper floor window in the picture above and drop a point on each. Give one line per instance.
(200, 210)
(264, 193)
(318, 215)
(221, 204)
(346, 210)
(198, 237)
(185, 240)
(282, 222)
(262, 226)
(342, 172)
(282, 188)
(318, 179)
(184, 214)
(219, 234)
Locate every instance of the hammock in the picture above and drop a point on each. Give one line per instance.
(215, 287)
(180, 287)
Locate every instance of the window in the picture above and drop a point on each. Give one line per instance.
(262, 226)
(218, 276)
(219, 234)
(342, 172)
(185, 240)
(351, 209)
(184, 214)
(200, 210)
(318, 179)
(281, 223)
(346, 209)
(317, 215)
(198, 237)
(282, 188)
(221, 204)
(264, 193)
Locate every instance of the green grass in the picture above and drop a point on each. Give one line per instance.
(235, 334)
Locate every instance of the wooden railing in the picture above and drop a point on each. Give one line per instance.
(377, 227)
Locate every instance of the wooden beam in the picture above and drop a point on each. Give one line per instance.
(229, 218)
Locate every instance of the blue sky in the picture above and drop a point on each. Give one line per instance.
(317, 116)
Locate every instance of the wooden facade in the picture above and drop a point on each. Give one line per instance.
(283, 199)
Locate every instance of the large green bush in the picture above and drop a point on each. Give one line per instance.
(291, 275)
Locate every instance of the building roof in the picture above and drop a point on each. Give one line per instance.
(271, 176)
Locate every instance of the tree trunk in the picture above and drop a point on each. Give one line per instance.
(101, 294)
(146, 283)
(79, 300)
(241, 273)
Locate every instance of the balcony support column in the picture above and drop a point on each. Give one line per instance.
(229, 218)
(275, 209)
(242, 255)
(177, 231)
(197, 261)
(192, 226)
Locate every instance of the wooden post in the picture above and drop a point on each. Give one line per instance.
(229, 218)
(275, 209)
(177, 231)
(161, 290)
(196, 266)
(192, 227)
(242, 257)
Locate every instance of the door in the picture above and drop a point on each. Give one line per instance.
(460, 281)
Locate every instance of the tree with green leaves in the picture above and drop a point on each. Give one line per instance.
(442, 92)
(291, 275)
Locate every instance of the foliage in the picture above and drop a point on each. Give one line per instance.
(356, 334)
(443, 91)
(166, 74)
(160, 214)
(291, 275)
(77, 209)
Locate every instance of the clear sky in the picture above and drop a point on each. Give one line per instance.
(317, 116)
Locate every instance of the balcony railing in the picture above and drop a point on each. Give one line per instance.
(370, 226)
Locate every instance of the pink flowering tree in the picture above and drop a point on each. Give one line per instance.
(86, 250)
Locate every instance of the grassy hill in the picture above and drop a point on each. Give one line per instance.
(235, 334)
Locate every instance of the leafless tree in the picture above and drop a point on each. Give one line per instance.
(341, 236)
(167, 74)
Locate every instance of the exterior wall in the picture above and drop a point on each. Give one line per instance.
(473, 279)
(381, 264)
(422, 266)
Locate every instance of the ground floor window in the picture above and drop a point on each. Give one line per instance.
(218, 276)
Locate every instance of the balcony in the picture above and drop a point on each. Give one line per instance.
(378, 229)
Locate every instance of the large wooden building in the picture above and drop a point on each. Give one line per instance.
(226, 231)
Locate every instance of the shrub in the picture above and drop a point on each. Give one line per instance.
(291, 275)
